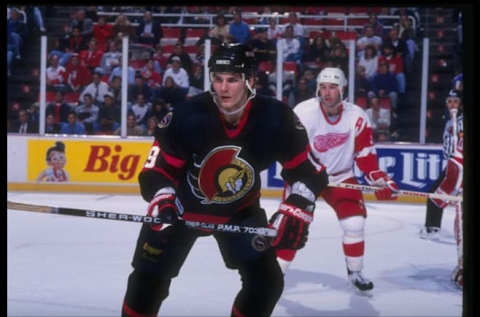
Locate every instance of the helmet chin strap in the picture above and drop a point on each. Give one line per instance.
(251, 90)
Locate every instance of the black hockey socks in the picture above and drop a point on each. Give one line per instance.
(144, 295)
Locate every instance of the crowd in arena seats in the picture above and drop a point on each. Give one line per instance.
(21, 22)
(84, 66)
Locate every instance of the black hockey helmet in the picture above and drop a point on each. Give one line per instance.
(232, 57)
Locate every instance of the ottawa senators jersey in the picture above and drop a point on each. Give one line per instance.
(216, 169)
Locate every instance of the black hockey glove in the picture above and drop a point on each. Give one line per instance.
(165, 206)
(291, 223)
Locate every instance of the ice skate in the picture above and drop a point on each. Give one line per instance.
(361, 284)
(430, 233)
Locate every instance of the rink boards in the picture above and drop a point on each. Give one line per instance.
(110, 164)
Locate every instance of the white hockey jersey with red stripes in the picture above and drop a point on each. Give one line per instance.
(340, 143)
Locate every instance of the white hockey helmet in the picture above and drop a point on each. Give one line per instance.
(333, 75)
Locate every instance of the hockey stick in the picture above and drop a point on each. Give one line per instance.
(400, 192)
(262, 231)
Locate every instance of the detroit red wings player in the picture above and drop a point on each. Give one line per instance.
(340, 135)
(452, 184)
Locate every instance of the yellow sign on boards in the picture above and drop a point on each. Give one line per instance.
(86, 160)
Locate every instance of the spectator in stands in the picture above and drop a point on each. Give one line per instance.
(92, 56)
(384, 84)
(178, 74)
(87, 113)
(149, 31)
(59, 108)
(37, 14)
(102, 32)
(97, 89)
(12, 112)
(196, 80)
(141, 109)
(362, 85)
(17, 30)
(338, 56)
(91, 12)
(170, 91)
(34, 113)
(51, 126)
(151, 77)
(160, 60)
(298, 28)
(261, 85)
(404, 24)
(239, 30)
(109, 115)
(221, 31)
(185, 59)
(133, 129)
(377, 26)
(397, 42)
(23, 124)
(122, 27)
(274, 31)
(369, 37)
(61, 46)
(84, 23)
(115, 88)
(264, 17)
(379, 119)
(76, 42)
(263, 49)
(395, 65)
(55, 75)
(199, 17)
(408, 36)
(72, 126)
(318, 51)
(310, 76)
(151, 126)
(111, 58)
(139, 88)
(290, 45)
(302, 91)
(160, 108)
(117, 72)
(369, 60)
(77, 76)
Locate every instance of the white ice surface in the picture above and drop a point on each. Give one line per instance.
(71, 266)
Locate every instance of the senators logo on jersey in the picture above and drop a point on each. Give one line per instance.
(223, 176)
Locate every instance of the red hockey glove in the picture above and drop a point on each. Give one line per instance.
(451, 184)
(291, 223)
(389, 188)
(165, 207)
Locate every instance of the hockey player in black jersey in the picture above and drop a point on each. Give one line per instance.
(205, 165)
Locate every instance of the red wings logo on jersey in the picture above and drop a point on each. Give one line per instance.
(323, 143)
(223, 176)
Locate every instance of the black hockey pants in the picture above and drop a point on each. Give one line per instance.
(160, 255)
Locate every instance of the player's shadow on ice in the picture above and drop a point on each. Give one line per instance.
(323, 284)
(430, 278)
